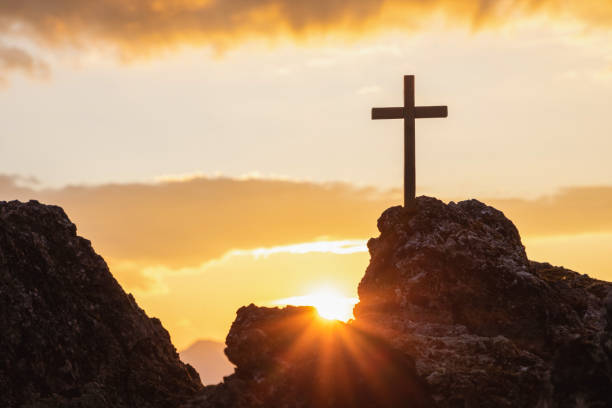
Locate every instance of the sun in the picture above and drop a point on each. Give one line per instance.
(330, 304)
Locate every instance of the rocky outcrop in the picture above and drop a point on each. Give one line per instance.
(451, 314)
(70, 336)
(291, 358)
(452, 287)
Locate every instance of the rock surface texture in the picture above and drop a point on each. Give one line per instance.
(70, 336)
(451, 286)
(451, 314)
(291, 358)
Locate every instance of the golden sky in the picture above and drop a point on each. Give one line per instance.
(221, 152)
(194, 250)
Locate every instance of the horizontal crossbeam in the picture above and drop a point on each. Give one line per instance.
(387, 113)
(431, 112)
(419, 112)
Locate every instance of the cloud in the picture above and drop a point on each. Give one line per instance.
(142, 26)
(13, 59)
(14, 185)
(571, 211)
(332, 247)
(187, 222)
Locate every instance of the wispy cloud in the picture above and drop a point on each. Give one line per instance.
(14, 59)
(194, 219)
(152, 278)
(191, 220)
(332, 247)
(570, 211)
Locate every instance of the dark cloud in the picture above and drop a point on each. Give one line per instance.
(141, 26)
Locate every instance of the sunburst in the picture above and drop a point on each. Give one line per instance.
(330, 304)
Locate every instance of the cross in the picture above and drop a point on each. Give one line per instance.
(409, 113)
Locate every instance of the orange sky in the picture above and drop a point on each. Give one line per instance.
(183, 135)
(195, 250)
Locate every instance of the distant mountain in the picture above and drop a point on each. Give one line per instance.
(208, 358)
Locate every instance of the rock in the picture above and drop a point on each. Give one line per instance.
(71, 337)
(451, 314)
(461, 316)
(451, 286)
(293, 358)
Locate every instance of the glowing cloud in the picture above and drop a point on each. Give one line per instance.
(333, 247)
(142, 26)
(175, 225)
(329, 303)
(13, 59)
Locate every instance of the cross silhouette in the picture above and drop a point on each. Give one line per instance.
(409, 113)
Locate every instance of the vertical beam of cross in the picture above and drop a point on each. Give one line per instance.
(409, 112)
(409, 144)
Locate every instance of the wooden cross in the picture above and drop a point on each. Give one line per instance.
(409, 113)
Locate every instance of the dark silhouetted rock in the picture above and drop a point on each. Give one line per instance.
(70, 336)
(451, 286)
(451, 314)
(292, 358)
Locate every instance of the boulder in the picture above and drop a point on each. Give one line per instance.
(293, 358)
(451, 286)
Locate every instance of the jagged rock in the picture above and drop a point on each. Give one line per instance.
(291, 358)
(448, 289)
(452, 287)
(70, 336)
(451, 314)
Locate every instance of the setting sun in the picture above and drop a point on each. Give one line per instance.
(330, 304)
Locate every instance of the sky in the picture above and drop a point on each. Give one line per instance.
(219, 153)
